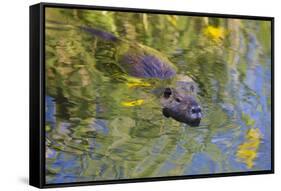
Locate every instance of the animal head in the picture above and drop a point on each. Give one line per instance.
(181, 106)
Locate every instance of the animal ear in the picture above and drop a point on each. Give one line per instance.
(167, 92)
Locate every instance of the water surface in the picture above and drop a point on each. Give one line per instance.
(103, 125)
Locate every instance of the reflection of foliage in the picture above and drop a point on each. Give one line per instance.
(215, 33)
(132, 103)
(248, 120)
(96, 122)
(136, 82)
(247, 151)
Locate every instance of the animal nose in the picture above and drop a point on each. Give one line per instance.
(196, 113)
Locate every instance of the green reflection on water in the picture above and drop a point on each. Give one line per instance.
(91, 135)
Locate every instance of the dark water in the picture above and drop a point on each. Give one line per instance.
(104, 125)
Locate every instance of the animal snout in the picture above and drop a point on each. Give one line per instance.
(196, 113)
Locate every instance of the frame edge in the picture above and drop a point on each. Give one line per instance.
(35, 152)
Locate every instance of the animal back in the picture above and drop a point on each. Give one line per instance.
(147, 66)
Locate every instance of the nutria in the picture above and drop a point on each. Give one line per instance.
(178, 98)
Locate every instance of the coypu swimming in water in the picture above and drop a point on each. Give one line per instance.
(137, 60)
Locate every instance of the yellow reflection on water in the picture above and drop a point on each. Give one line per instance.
(247, 152)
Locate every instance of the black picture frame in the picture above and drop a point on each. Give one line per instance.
(37, 90)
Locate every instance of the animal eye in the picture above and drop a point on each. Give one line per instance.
(193, 110)
(178, 100)
(167, 92)
(199, 110)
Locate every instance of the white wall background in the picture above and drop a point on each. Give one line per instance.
(14, 39)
